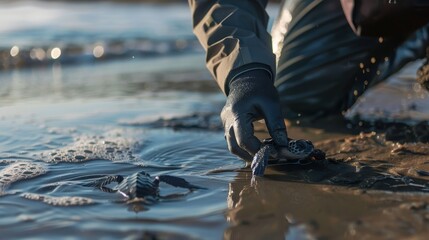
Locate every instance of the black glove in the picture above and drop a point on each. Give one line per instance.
(252, 97)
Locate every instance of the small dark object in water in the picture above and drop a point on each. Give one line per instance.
(296, 151)
(140, 185)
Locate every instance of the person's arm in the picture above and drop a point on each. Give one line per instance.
(234, 35)
(239, 56)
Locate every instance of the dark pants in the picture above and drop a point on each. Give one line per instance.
(323, 67)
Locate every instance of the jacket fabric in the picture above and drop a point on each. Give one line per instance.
(323, 66)
(234, 35)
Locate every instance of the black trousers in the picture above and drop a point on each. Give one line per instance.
(323, 67)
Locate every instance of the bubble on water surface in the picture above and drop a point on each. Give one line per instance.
(19, 170)
(59, 201)
(94, 148)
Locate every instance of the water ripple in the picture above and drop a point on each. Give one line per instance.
(194, 152)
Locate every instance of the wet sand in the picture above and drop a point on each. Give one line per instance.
(367, 188)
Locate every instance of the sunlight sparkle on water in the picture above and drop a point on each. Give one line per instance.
(37, 53)
(14, 51)
(98, 51)
(55, 53)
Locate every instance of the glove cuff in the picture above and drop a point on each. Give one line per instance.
(244, 71)
(252, 77)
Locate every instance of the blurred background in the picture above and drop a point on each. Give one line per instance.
(137, 39)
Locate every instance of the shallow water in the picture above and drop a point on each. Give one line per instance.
(62, 119)
(49, 119)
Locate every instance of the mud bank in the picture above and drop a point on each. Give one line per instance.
(366, 188)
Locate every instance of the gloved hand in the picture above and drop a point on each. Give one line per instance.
(252, 96)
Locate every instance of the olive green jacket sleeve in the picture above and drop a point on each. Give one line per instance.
(234, 35)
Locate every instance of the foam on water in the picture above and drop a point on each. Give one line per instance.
(59, 201)
(19, 171)
(94, 148)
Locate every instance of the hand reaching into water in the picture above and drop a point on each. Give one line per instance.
(252, 97)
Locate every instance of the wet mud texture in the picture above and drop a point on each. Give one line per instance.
(403, 133)
(367, 161)
(393, 176)
(395, 131)
(409, 220)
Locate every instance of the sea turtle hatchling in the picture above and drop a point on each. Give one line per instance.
(294, 153)
(140, 185)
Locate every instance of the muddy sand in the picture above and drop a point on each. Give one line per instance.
(366, 188)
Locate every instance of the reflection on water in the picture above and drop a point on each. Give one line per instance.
(276, 208)
(129, 78)
(90, 32)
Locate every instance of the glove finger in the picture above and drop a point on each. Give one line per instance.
(233, 146)
(245, 137)
(276, 125)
